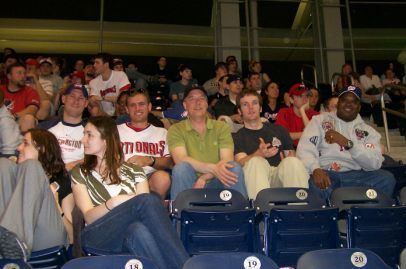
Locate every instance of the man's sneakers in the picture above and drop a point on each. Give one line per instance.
(11, 247)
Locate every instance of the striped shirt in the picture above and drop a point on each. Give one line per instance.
(99, 191)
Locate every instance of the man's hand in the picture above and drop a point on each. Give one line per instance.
(321, 179)
(202, 180)
(304, 107)
(140, 160)
(266, 150)
(236, 118)
(220, 171)
(332, 137)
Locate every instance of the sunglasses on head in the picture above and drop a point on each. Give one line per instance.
(133, 92)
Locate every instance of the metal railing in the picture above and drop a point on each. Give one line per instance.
(315, 84)
(392, 112)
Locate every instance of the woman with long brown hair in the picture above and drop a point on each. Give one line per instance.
(120, 213)
(36, 197)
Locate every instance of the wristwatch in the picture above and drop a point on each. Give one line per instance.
(350, 144)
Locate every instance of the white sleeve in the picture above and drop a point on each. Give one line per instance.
(307, 149)
(93, 89)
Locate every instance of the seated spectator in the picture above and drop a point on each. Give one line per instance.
(144, 144)
(90, 73)
(164, 76)
(265, 151)
(212, 85)
(390, 78)
(21, 100)
(330, 105)
(118, 65)
(68, 129)
(202, 149)
(178, 88)
(10, 136)
(314, 99)
(121, 215)
(8, 60)
(339, 149)
(36, 198)
(106, 87)
(46, 77)
(79, 65)
(255, 66)
(222, 92)
(228, 106)
(271, 106)
(138, 80)
(254, 82)
(232, 65)
(296, 117)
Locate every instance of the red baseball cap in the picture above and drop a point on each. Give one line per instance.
(298, 89)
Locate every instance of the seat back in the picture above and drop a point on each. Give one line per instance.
(291, 233)
(215, 220)
(289, 198)
(381, 230)
(14, 264)
(346, 197)
(233, 260)
(342, 258)
(48, 258)
(110, 262)
(209, 199)
(402, 196)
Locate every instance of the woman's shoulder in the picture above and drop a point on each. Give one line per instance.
(77, 175)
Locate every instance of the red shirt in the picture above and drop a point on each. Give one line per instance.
(288, 119)
(18, 101)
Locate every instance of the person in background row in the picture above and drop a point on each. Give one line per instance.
(177, 89)
(271, 106)
(255, 66)
(314, 99)
(10, 136)
(212, 85)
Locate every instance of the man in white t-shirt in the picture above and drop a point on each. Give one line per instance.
(68, 129)
(144, 144)
(108, 84)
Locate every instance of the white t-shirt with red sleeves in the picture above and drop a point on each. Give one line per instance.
(117, 83)
(150, 141)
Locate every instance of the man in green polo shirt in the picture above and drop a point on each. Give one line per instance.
(202, 149)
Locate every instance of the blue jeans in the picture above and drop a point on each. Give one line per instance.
(379, 179)
(140, 226)
(184, 176)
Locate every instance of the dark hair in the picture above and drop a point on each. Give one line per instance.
(134, 92)
(12, 56)
(247, 92)
(113, 156)
(224, 77)
(220, 65)
(14, 65)
(251, 74)
(49, 151)
(106, 58)
(327, 101)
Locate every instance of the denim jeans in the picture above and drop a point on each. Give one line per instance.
(379, 179)
(140, 226)
(184, 176)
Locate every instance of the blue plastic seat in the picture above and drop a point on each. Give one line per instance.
(48, 258)
(215, 220)
(110, 262)
(343, 258)
(296, 221)
(372, 221)
(14, 263)
(234, 260)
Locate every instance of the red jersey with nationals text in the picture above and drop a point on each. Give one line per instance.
(150, 141)
(288, 119)
(117, 83)
(19, 100)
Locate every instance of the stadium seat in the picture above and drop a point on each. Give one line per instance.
(215, 220)
(48, 258)
(14, 264)
(402, 196)
(343, 258)
(233, 260)
(376, 225)
(111, 262)
(296, 221)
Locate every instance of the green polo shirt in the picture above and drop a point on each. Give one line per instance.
(206, 147)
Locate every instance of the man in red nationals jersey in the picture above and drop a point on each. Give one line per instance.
(144, 144)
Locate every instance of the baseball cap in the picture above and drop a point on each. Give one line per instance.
(298, 89)
(31, 61)
(45, 60)
(117, 61)
(353, 89)
(78, 74)
(79, 87)
(194, 87)
(232, 78)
